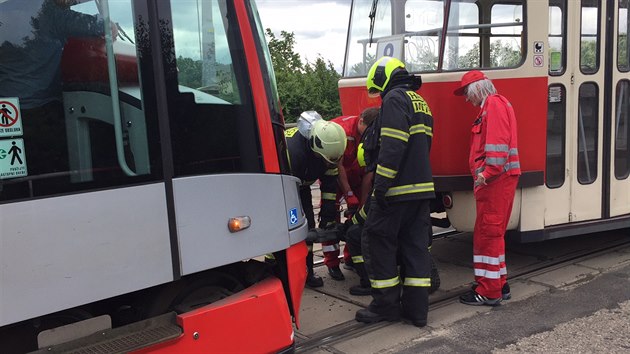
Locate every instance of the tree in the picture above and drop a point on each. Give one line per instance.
(303, 86)
(501, 55)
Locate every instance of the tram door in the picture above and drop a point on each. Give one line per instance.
(620, 112)
(588, 110)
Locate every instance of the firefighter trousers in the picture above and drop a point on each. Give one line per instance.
(398, 234)
(494, 206)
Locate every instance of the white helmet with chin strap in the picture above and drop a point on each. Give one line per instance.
(328, 139)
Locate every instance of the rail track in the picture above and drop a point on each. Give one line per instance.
(352, 329)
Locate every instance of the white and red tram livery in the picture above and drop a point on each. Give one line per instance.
(564, 67)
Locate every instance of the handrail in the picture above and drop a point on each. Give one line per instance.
(113, 87)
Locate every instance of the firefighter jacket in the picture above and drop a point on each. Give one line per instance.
(403, 169)
(493, 142)
(309, 167)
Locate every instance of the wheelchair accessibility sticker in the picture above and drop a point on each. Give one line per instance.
(293, 216)
(12, 158)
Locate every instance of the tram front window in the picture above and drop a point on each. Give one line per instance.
(72, 115)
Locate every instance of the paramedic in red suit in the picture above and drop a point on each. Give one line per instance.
(494, 165)
(351, 179)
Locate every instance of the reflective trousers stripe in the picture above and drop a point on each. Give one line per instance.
(421, 282)
(329, 196)
(487, 273)
(385, 283)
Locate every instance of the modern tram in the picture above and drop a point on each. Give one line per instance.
(143, 175)
(565, 67)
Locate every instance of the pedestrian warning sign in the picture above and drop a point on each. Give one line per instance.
(12, 158)
(10, 117)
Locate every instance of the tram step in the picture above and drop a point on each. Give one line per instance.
(122, 339)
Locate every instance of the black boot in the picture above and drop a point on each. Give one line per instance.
(364, 288)
(336, 273)
(312, 281)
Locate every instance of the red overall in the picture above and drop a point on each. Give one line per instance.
(493, 153)
(354, 173)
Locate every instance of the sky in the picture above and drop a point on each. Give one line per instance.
(320, 26)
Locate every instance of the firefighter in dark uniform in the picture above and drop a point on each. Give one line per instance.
(398, 225)
(353, 241)
(315, 158)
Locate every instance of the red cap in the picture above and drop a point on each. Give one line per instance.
(467, 79)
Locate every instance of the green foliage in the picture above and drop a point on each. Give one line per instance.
(501, 55)
(189, 72)
(303, 86)
(588, 58)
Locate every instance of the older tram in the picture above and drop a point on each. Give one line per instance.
(143, 171)
(563, 64)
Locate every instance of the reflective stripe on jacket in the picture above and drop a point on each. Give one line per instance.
(494, 141)
(403, 169)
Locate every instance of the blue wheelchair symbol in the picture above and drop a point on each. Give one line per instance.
(293, 216)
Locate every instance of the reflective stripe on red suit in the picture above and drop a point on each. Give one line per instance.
(354, 173)
(494, 153)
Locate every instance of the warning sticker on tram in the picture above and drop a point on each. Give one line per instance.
(12, 158)
(10, 117)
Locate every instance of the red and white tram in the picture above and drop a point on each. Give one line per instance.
(563, 64)
(143, 171)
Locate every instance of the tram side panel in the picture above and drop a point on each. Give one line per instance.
(133, 229)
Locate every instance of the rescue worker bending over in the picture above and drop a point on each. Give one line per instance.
(495, 167)
(313, 155)
(354, 183)
(398, 223)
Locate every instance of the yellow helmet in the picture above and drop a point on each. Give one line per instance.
(381, 72)
(328, 139)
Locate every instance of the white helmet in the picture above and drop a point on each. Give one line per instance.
(328, 139)
(306, 121)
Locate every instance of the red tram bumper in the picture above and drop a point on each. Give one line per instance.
(255, 320)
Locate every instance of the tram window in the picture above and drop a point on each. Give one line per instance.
(476, 40)
(505, 40)
(82, 112)
(360, 54)
(556, 132)
(213, 125)
(557, 36)
(463, 37)
(204, 60)
(622, 130)
(588, 119)
(423, 25)
(589, 36)
(623, 54)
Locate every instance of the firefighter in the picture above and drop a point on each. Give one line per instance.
(353, 243)
(313, 155)
(398, 222)
(494, 165)
(351, 181)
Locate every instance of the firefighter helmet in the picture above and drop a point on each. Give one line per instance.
(306, 121)
(381, 72)
(328, 139)
(361, 156)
